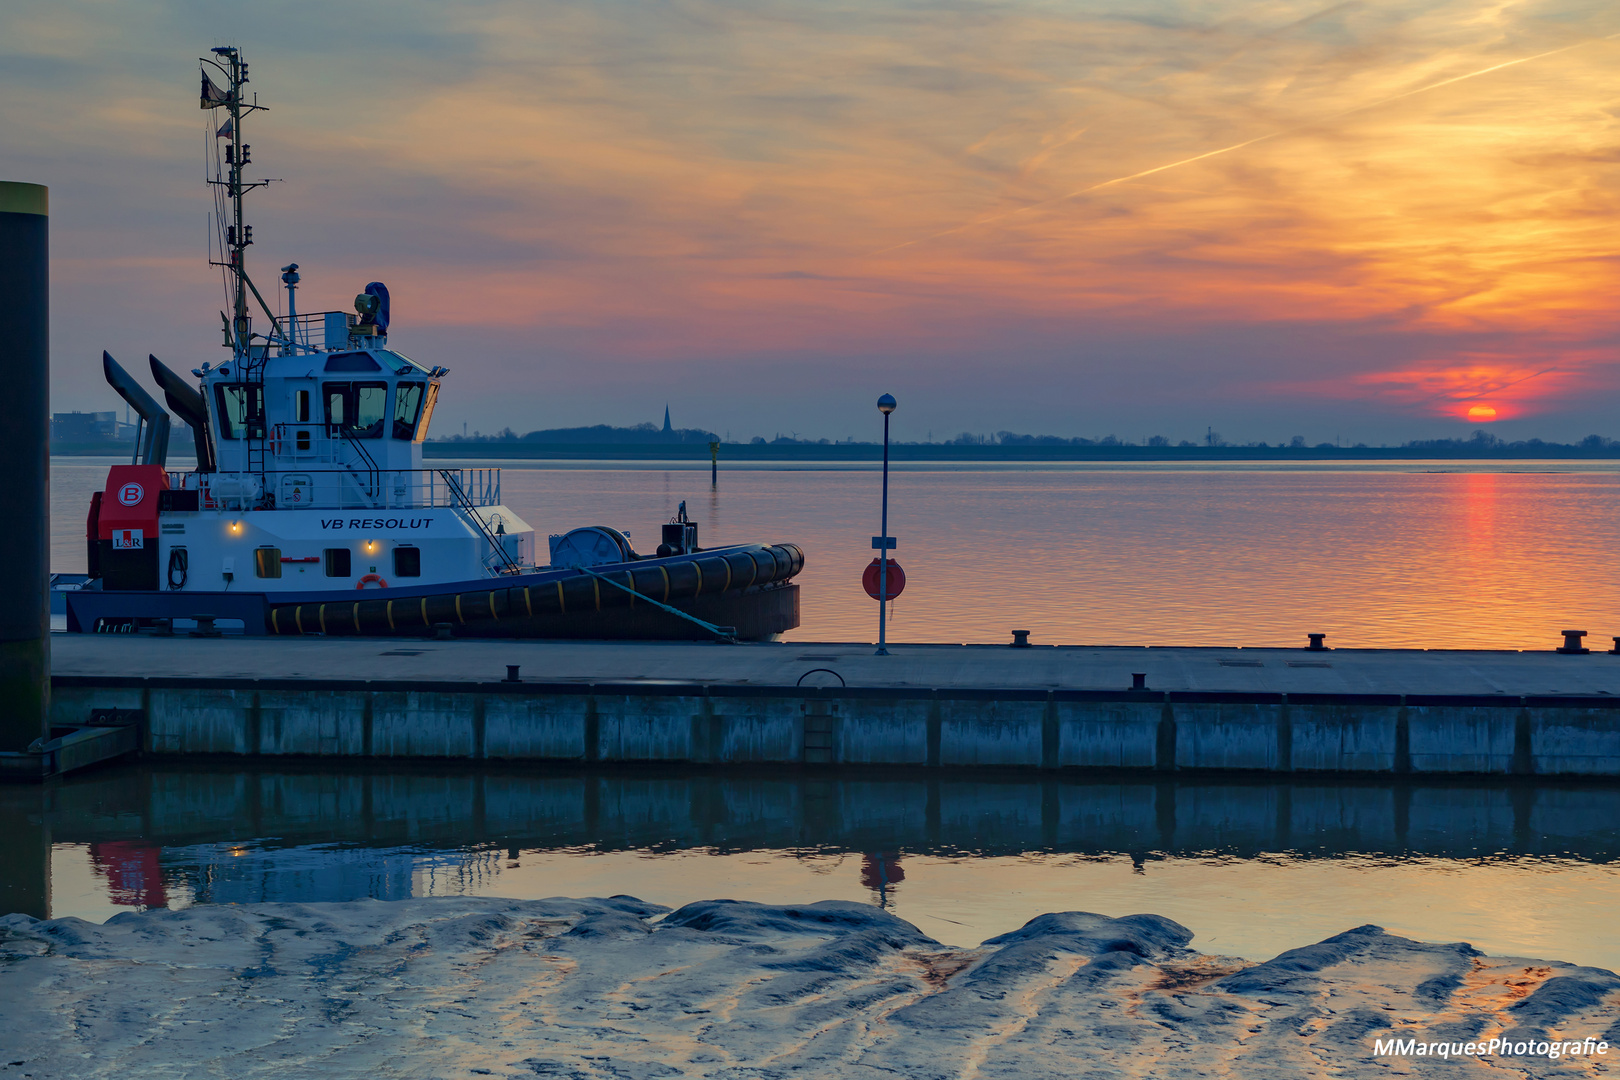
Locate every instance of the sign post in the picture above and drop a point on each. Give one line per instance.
(886, 405)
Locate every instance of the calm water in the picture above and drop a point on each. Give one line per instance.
(1252, 868)
(1428, 555)
(1432, 555)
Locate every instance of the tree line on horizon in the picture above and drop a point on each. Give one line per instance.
(651, 434)
(596, 434)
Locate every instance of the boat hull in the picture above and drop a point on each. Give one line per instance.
(756, 615)
(746, 587)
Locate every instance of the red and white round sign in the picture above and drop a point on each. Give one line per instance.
(131, 494)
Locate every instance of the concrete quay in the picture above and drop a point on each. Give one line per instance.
(927, 706)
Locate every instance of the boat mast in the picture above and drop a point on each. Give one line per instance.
(238, 235)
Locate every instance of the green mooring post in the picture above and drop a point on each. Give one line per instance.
(25, 619)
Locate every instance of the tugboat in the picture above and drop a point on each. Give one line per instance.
(310, 510)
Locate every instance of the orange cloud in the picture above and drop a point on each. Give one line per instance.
(1481, 390)
(1444, 172)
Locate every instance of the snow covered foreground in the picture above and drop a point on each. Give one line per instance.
(463, 987)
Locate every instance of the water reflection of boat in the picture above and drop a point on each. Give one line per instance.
(145, 875)
(133, 872)
(310, 509)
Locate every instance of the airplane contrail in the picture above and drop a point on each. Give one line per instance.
(1247, 142)
(1498, 389)
(1489, 391)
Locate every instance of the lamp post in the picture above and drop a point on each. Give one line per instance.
(886, 405)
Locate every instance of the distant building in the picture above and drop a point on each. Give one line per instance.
(104, 428)
(84, 427)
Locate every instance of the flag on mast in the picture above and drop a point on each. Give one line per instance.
(227, 129)
(212, 96)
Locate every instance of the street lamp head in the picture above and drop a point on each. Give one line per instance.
(886, 404)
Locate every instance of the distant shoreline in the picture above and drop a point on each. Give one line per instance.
(940, 452)
(933, 452)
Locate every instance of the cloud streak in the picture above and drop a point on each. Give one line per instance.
(1206, 155)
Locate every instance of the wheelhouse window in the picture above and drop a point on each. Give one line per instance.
(427, 411)
(407, 409)
(399, 363)
(301, 407)
(351, 362)
(240, 408)
(356, 409)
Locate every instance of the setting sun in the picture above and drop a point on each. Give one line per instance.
(1481, 413)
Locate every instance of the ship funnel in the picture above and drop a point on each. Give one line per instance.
(188, 405)
(154, 443)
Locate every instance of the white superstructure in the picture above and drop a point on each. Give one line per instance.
(319, 482)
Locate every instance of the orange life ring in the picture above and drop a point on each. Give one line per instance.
(274, 443)
(371, 577)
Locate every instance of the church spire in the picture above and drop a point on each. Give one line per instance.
(666, 419)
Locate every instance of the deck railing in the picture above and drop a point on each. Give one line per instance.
(317, 331)
(341, 489)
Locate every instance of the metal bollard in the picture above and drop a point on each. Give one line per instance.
(1138, 680)
(1316, 643)
(1572, 643)
(205, 626)
(1020, 639)
(512, 673)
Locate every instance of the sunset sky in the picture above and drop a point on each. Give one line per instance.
(1336, 220)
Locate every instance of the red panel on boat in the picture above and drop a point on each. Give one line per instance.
(129, 507)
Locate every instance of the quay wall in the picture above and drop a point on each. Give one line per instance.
(731, 724)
